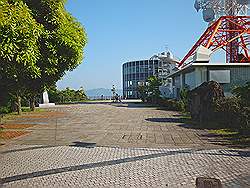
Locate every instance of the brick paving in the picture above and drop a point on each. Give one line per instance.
(124, 145)
(70, 166)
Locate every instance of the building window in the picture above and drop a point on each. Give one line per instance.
(221, 76)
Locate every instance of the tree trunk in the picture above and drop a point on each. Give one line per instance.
(13, 106)
(18, 104)
(32, 103)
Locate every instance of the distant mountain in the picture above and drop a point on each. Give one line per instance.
(101, 91)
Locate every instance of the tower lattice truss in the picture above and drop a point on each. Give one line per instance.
(230, 33)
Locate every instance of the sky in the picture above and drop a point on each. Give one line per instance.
(125, 30)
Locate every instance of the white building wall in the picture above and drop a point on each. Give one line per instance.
(192, 80)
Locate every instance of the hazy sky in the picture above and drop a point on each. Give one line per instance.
(125, 30)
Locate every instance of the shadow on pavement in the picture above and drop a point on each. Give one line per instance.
(83, 144)
(215, 139)
(166, 120)
(132, 105)
(75, 144)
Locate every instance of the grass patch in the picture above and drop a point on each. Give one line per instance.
(223, 132)
(241, 140)
(210, 125)
(25, 110)
(186, 119)
(233, 137)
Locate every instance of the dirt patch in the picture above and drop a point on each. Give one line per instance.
(16, 126)
(6, 135)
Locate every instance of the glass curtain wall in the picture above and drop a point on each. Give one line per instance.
(135, 73)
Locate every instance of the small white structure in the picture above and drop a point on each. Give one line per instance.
(202, 54)
(46, 103)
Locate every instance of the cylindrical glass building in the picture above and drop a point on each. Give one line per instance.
(137, 72)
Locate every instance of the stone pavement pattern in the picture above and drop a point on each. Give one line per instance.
(124, 125)
(70, 166)
(98, 145)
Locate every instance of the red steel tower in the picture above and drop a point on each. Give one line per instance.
(230, 32)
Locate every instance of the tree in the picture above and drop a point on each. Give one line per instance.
(19, 35)
(39, 42)
(150, 91)
(67, 95)
(153, 88)
(61, 45)
(4, 100)
(143, 92)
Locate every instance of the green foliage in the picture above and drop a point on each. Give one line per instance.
(153, 87)
(5, 109)
(19, 54)
(19, 34)
(184, 100)
(67, 95)
(223, 132)
(169, 104)
(150, 92)
(230, 113)
(243, 92)
(54, 95)
(5, 105)
(61, 44)
(39, 41)
(143, 92)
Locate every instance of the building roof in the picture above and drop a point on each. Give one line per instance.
(205, 64)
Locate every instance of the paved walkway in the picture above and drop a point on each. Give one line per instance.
(124, 125)
(122, 145)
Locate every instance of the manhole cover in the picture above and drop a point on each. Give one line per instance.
(202, 182)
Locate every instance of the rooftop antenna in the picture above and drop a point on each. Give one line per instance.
(228, 29)
(166, 48)
(214, 9)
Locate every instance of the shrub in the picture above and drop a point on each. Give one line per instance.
(245, 120)
(182, 106)
(5, 109)
(169, 104)
(150, 92)
(5, 102)
(184, 100)
(142, 90)
(67, 95)
(243, 92)
(230, 113)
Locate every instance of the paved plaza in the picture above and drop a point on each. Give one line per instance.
(115, 145)
(123, 125)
